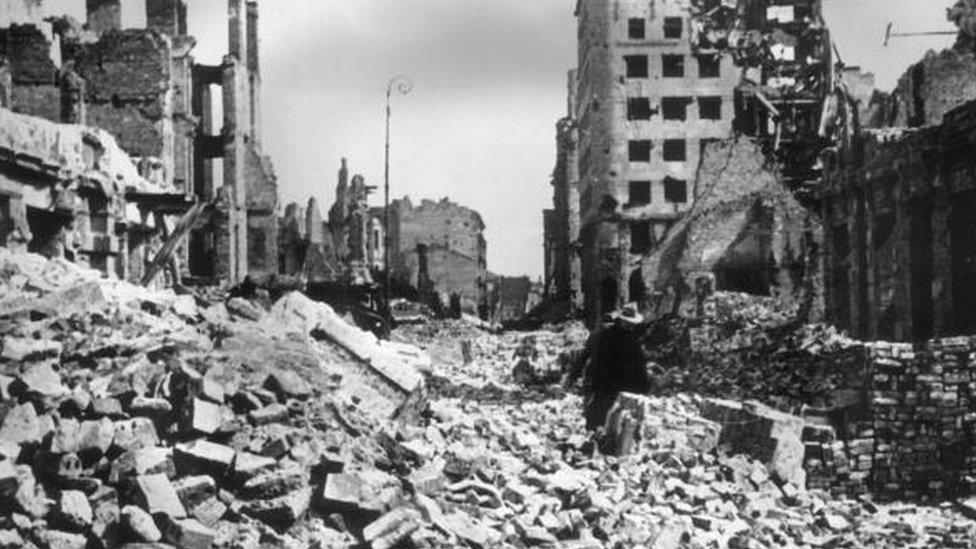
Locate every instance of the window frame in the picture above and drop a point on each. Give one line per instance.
(669, 25)
(637, 198)
(632, 149)
(633, 68)
(631, 28)
(705, 104)
(670, 69)
(669, 147)
(670, 190)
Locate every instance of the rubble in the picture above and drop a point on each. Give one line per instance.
(286, 457)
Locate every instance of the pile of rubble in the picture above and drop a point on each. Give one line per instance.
(152, 419)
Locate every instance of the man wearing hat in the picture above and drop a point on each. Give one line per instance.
(612, 362)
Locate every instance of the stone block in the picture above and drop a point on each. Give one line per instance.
(287, 384)
(204, 417)
(201, 456)
(135, 434)
(273, 413)
(186, 533)
(282, 512)
(158, 496)
(139, 525)
(392, 528)
(21, 425)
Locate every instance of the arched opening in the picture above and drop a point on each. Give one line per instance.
(638, 291)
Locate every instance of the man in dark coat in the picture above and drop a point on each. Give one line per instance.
(612, 362)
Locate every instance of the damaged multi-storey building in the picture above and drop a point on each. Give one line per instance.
(657, 84)
(899, 205)
(143, 87)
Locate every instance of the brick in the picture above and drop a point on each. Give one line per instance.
(159, 496)
(392, 528)
(201, 456)
(248, 465)
(274, 413)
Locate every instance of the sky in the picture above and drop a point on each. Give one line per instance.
(489, 82)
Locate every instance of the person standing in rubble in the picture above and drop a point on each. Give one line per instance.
(613, 361)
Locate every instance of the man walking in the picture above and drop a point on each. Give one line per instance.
(612, 362)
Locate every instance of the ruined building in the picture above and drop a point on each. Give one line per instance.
(347, 247)
(439, 248)
(143, 86)
(899, 208)
(656, 83)
(561, 224)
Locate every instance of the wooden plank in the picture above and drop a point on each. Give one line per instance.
(197, 214)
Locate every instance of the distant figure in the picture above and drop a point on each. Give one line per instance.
(613, 361)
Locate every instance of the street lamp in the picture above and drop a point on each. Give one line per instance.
(402, 86)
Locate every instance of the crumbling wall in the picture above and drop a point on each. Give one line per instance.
(929, 89)
(128, 77)
(898, 208)
(745, 232)
(262, 205)
(453, 236)
(33, 84)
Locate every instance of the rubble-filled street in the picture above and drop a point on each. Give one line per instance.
(150, 417)
(270, 274)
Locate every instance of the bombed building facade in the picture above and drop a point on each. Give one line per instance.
(656, 84)
(144, 87)
(439, 248)
(899, 208)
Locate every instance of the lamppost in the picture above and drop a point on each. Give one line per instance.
(402, 86)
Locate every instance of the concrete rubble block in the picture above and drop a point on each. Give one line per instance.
(10, 539)
(201, 456)
(282, 512)
(21, 425)
(144, 461)
(96, 437)
(74, 511)
(8, 479)
(186, 533)
(238, 306)
(195, 489)
(286, 384)
(387, 377)
(248, 465)
(139, 525)
(40, 380)
(135, 434)
(105, 515)
(55, 539)
(203, 417)
(342, 492)
(108, 407)
(159, 496)
(772, 437)
(153, 408)
(30, 496)
(392, 528)
(66, 437)
(274, 483)
(209, 511)
(18, 349)
(273, 413)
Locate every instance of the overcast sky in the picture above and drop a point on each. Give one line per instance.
(490, 83)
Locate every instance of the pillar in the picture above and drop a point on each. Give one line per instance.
(235, 155)
(166, 16)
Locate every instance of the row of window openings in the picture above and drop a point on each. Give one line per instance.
(675, 192)
(674, 108)
(673, 66)
(642, 237)
(637, 28)
(675, 150)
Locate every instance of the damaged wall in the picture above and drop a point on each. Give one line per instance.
(898, 209)
(746, 232)
(929, 89)
(448, 240)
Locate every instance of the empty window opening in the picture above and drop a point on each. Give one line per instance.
(673, 27)
(638, 291)
(710, 108)
(675, 150)
(640, 237)
(675, 190)
(639, 150)
(675, 108)
(639, 108)
(636, 66)
(673, 66)
(635, 28)
(709, 66)
(639, 193)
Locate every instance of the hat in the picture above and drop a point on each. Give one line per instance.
(629, 314)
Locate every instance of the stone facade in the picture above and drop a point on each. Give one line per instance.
(900, 242)
(143, 86)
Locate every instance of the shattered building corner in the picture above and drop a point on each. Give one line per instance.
(144, 87)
